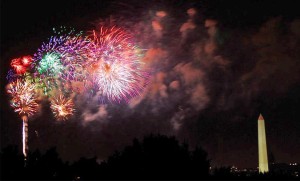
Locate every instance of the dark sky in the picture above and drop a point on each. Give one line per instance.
(208, 86)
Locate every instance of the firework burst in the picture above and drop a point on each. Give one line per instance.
(23, 97)
(50, 64)
(21, 65)
(61, 59)
(116, 68)
(62, 107)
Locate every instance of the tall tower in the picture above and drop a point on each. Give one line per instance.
(262, 146)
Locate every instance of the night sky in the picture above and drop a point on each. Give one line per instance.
(212, 73)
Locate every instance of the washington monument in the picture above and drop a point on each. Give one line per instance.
(263, 166)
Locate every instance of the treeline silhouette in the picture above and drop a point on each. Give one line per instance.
(155, 157)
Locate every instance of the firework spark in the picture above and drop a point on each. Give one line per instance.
(116, 68)
(12, 76)
(62, 107)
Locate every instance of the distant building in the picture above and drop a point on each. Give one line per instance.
(291, 169)
(246, 172)
(276, 170)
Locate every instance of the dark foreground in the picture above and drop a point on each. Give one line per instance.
(155, 158)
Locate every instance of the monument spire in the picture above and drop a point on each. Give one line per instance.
(262, 146)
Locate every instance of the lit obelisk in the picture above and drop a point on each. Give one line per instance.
(263, 166)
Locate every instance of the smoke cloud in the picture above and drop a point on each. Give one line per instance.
(192, 66)
(100, 115)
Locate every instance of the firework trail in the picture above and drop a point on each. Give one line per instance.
(23, 101)
(116, 67)
(62, 107)
(25, 135)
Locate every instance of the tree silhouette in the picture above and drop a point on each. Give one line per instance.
(12, 163)
(39, 167)
(86, 169)
(48, 166)
(157, 157)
